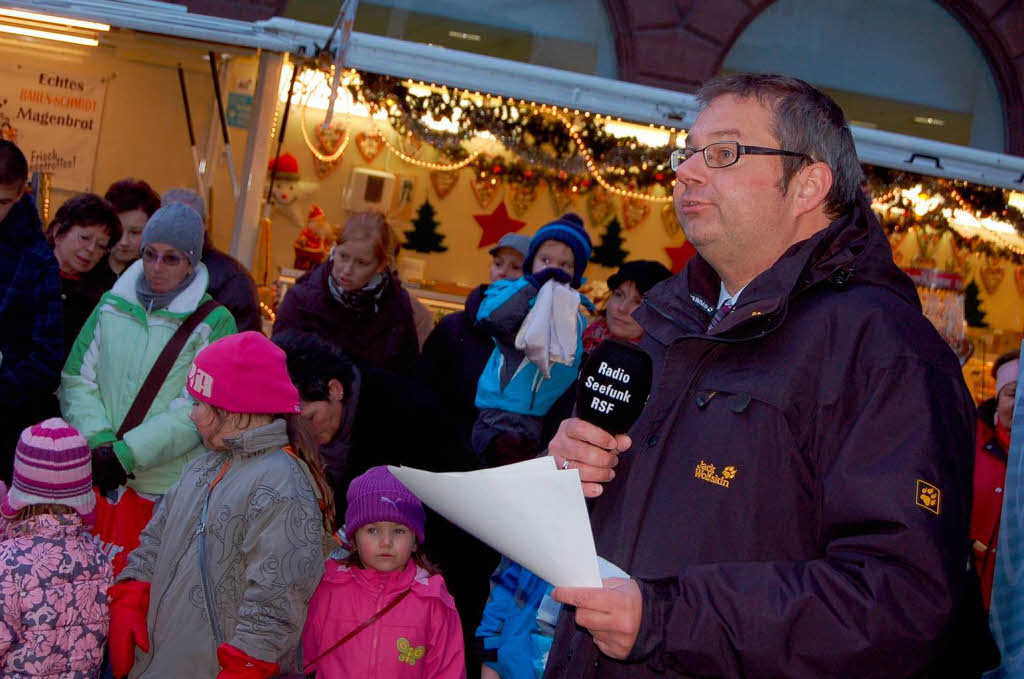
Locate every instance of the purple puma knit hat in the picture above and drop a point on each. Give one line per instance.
(52, 465)
(378, 496)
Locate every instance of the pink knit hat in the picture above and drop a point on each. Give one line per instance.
(52, 465)
(243, 373)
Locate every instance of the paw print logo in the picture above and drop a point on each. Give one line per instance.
(928, 496)
(729, 472)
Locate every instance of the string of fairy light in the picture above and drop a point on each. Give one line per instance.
(464, 99)
(572, 150)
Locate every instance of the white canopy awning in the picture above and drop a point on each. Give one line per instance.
(400, 58)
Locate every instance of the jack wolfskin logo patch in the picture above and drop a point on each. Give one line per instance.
(929, 497)
(409, 653)
(707, 472)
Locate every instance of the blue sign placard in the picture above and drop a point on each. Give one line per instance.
(239, 110)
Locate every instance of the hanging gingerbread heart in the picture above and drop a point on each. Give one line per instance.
(1018, 278)
(959, 261)
(330, 139)
(409, 145)
(329, 142)
(561, 198)
(600, 207)
(443, 182)
(522, 197)
(369, 146)
(634, 212)
(992, 274)
(485, 189)
(670, 221)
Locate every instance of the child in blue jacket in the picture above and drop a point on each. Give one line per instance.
(512, 394)
(518, 624)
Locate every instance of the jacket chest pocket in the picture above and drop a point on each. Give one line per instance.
(728, 458)
(750, 423)
(403, 651)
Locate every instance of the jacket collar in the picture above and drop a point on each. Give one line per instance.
(45, 525)
(272, 436)
(852, 250)
(395, 581)
(187, 301)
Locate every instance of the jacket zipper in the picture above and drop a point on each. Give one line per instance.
(695, 374)
(376, 634)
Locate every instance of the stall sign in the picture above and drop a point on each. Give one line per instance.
(53, 115)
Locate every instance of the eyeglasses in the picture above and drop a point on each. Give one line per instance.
(86, 239)
(171, 259)
(725, 153)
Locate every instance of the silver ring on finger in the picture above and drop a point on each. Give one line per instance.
(565, 464)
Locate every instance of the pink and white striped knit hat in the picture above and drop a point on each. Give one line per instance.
(52, 465)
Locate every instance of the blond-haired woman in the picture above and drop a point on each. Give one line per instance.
(354, 299)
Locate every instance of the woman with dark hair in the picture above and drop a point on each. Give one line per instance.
(354, 299)
(81, 233)
(627, 288)
(134, 201)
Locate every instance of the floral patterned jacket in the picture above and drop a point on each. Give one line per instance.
(53, 598)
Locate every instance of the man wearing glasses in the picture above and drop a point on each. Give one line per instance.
(794, 499)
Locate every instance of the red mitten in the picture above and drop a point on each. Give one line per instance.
(129, 602)
(234, 664)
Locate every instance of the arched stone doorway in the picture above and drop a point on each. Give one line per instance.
(678, 44)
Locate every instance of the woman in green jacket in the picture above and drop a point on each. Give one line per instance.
(115, 351)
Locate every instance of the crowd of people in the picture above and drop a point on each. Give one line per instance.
(189, 496)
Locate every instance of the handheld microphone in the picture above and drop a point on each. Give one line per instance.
(613, 386)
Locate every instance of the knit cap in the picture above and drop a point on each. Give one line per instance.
(186, 197)
(512, 241)
(243, 373)
(378, 496)
(179, 226)
(643, 273)
(567, 229)
(52, 465)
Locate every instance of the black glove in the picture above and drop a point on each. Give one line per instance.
(107, 471)
(541, 277)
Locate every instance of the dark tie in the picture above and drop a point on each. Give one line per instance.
(722, 312)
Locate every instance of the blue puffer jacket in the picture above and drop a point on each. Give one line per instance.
(510, 381)
(515, 641)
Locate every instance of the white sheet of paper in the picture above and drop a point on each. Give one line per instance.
(530, 511)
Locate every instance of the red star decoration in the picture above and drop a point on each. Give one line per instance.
(496, 225)
(680, 256)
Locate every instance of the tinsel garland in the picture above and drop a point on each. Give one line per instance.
(886, 186)
(542, 150)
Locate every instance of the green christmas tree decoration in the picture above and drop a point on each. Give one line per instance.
(423, 237)
(973, 313)
(610, 253)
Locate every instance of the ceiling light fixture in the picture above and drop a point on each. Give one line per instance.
(472, 37)
(51, 19)
(49, 35)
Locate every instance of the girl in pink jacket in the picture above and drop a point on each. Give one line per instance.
(53, 578)
(383, 611)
